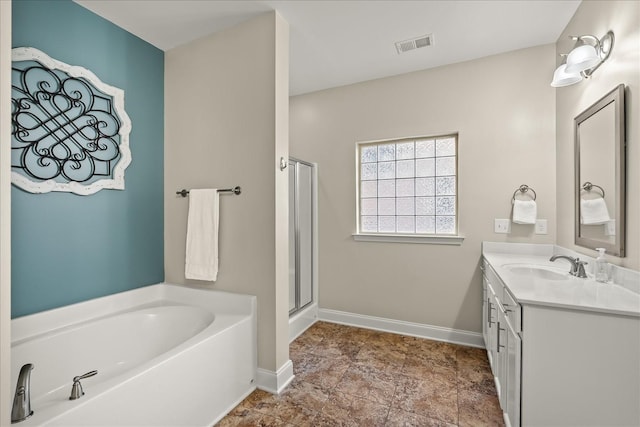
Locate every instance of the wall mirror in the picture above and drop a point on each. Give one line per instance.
(600, 174)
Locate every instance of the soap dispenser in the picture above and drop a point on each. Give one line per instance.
(601, 268)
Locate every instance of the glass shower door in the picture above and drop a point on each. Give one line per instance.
(300, 235)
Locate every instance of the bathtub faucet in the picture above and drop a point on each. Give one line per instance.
(76, 391)
(21, 409)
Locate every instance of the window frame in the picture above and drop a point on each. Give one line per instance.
(430, 238)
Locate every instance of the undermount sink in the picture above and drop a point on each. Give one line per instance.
(539, 271)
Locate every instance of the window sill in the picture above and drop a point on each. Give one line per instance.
(409, 238)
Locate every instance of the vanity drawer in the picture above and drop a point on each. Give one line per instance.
(492, 277)
(512, 309)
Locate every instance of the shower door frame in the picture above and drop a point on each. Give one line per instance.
(313, 196)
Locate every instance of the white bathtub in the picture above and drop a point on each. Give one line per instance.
(166, 355)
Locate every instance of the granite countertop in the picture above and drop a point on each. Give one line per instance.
(561, 289)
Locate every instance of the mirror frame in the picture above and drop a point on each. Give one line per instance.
(616, 96)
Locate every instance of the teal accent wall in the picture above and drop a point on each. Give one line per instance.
(68, 248)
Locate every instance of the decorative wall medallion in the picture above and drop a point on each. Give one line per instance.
(69, 130)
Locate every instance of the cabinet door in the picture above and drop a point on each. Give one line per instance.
(512, 391)
(491, 327)
(485, 316)
(500, 369)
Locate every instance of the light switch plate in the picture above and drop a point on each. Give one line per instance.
(610, 228)
(541, 226)
(502, 226)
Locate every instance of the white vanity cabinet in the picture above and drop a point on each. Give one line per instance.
(501, 323)
(580, 368)
(556, 360)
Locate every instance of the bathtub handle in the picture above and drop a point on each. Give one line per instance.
(83, 376)
(76, 390)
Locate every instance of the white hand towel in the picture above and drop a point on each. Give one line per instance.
(594, 211)
(201, 261)
(525, 211)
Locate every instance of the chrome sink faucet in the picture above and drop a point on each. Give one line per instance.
(577, 266)
(21, 409)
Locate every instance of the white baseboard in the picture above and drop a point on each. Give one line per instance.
(301, 321)
(454, 336)
(275, 382)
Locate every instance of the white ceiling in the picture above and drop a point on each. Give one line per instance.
(334, 43)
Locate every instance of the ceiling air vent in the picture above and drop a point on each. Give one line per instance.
(415, 43)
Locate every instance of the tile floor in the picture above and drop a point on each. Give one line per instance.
(346, 376)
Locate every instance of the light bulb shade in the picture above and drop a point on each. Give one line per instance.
(562, 78)
(582, 58)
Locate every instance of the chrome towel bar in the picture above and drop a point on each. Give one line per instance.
(235, 190)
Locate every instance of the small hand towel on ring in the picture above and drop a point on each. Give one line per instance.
(594, 211)
(201, 258)
(524, 211)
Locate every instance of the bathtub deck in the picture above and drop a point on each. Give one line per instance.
(166, 362)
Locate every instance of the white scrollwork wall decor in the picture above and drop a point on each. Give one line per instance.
(70, 131)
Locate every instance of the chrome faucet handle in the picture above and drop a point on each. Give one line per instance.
(579, 269)
(76, 390)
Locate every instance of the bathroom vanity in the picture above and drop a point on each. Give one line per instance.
(564, 351)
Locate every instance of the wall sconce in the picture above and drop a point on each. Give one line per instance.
(586, 56)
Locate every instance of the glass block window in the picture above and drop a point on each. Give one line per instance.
(408, 186)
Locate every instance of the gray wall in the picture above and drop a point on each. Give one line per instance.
(623, 66)
(504, 110)
(226, 116)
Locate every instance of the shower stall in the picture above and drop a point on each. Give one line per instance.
(302, 245)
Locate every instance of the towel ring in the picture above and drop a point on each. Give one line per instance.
(523, 189)
(587, 186)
